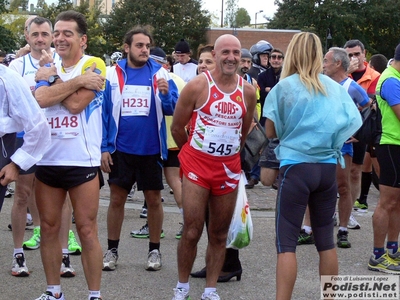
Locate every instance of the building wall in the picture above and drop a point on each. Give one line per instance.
(248, 37)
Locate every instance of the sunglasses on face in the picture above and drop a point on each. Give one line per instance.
(356, 54)
(276, 56)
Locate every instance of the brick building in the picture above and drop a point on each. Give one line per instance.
(248, 37)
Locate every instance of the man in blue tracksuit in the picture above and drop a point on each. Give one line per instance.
(139, 92)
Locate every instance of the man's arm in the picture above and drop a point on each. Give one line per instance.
(168, 95)
(24, 110)
(75, 94)
(251, 101)
(184, 108)
(270, 129)
(390, 92)
(396, 109)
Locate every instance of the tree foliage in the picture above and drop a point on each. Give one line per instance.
(14, 23)
(3, 4)
(171, 21)
(242, 17)
(96, 43)
(230, 13)
(16, 4)
(7, 40)
(374, 22)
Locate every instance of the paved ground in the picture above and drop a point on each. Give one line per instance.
(131, 281)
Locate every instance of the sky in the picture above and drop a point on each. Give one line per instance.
(252, 6)
(214, 6)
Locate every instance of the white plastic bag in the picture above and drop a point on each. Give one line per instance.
(241, 229)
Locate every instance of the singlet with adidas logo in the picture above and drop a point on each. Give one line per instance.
(215, 128)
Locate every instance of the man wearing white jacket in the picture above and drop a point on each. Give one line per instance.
(19, 111)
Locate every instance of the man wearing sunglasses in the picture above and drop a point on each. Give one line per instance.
(267, 79)
(367, 77)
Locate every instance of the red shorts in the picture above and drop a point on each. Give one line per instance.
(219, 174)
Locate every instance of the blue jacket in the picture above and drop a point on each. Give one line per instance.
(165, 105)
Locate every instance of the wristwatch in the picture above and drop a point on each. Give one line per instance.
(52, 79)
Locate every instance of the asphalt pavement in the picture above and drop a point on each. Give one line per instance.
(132, 281)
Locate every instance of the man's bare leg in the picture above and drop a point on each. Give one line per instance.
(49, 202)
(85, 201)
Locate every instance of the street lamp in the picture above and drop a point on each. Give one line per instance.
(222, 13)
(328, 37)
(255, 19)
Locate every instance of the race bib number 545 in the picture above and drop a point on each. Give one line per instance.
(221, 141)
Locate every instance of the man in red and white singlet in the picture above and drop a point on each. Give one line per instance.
(219, 107)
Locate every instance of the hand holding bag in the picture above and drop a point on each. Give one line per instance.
(256, 140)
(241, 229)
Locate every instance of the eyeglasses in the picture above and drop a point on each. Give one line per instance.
(277, 56)
(356, 54)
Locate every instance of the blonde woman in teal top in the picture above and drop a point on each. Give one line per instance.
(312, 116)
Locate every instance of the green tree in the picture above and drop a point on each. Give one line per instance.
(3, 4)
(15, 4)
(374, 22)
(15, 22)
(7, 40)
(41, 4)
(96, 42)
(171, 21)
(242, 17)
(230, 13)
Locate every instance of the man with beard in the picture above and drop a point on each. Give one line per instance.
(244, 67)
(139, 92)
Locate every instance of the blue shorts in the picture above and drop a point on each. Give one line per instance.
(347, 149)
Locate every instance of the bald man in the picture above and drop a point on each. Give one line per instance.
(223, 106)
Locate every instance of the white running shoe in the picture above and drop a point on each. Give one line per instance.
(181, 294)
(210, 296)
(353, 224)
(49, 296)
(110, 259)
(66, 269)
(19, 268)
(154, 261)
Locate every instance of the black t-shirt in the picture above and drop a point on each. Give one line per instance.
(357, 75)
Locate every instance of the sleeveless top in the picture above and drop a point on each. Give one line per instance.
(216, 127)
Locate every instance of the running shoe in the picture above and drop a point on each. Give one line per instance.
(10, 190)
(49, 296)
(210, 296)
(178, 235)
(305, 238)
(143, 213)
(181, 294)
(342, 239)
(384, 264)
(73, 246)
(395, 256)
(34, 242)
(19, 268)
(360, 207)
(110, 259)
(29, 222)
(154, 261)
(7, 194)
(143, 233)
(353, 224)
(66, 269)
(95, 298)
(28, 226)
(335, 218)
(132, 192)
